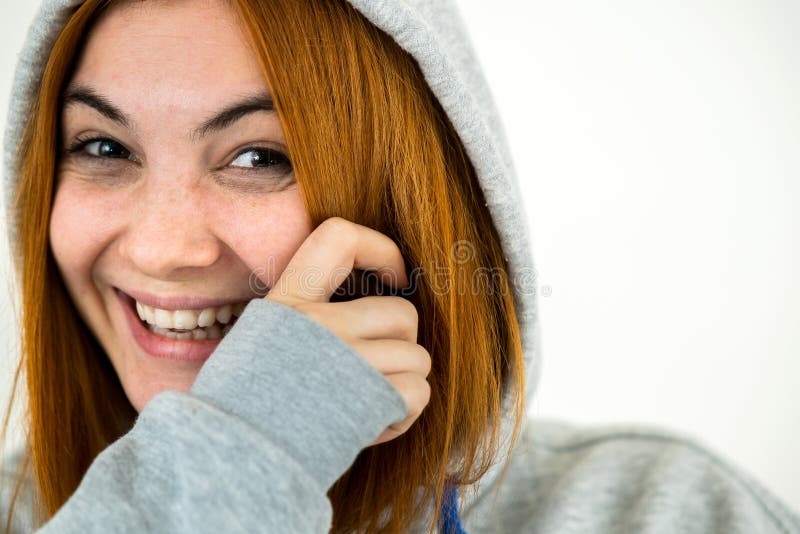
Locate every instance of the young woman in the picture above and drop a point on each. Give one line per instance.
(274, 277)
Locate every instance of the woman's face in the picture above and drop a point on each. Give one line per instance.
(173, 188)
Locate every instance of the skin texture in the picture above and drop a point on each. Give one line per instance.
(155, 208)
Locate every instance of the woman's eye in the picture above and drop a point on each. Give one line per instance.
(98, 149)
(105, 148)
(259, 158)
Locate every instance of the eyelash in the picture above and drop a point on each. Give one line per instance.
(77, 146)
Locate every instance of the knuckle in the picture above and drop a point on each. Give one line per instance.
(336, 226)
(422, 396)
(410, 310)
(407, 316)
(424, 359)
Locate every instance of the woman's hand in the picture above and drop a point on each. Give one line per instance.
(382, 329)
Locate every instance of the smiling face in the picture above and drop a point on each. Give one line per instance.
(173, 188)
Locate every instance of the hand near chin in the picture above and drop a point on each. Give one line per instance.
(382, 329)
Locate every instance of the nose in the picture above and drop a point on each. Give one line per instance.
(168, 237)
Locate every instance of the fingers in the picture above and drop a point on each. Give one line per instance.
(374, 317)
(329, 254)
(417, 393)
(391, 356)
(382, 329)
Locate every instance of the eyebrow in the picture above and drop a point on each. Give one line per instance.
(81, 94)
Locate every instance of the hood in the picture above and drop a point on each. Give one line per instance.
(433, 33)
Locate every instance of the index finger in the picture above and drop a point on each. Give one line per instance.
(331, 252)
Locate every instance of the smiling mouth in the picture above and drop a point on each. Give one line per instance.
(191, 324)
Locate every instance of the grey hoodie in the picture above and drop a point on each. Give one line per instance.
(230, 457)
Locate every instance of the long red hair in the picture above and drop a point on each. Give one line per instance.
(369, 142)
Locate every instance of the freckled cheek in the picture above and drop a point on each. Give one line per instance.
(81, 226)
(266, 236)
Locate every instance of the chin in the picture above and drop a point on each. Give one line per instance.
(139, 392)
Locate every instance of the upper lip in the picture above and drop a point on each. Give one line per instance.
(179, 302)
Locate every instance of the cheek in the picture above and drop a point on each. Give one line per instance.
(266, 234)
(79, 229)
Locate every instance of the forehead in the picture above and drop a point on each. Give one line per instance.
(169, 54)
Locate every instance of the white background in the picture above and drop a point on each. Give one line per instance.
(658, 146)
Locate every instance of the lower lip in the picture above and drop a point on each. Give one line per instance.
(192, 350)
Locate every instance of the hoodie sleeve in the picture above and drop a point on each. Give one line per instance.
(277, 413)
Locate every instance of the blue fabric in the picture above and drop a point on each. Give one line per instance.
(449, 521)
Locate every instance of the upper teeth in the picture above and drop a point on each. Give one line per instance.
(188, 319)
